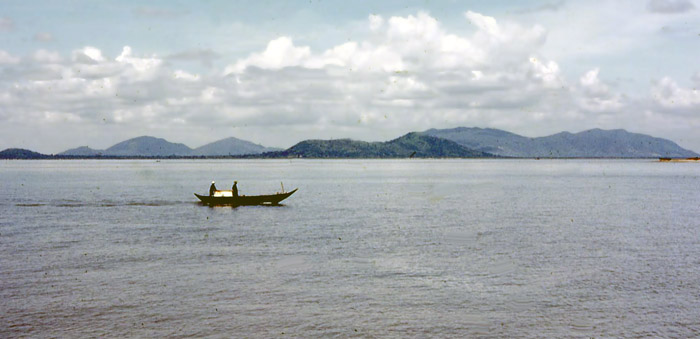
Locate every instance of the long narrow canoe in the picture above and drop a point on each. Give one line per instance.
(225, 198)
(696, 159)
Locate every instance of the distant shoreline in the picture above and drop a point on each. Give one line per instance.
(456, 143)
(258, 157)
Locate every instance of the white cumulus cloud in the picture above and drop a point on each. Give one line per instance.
(279, 53)
(88, 55)
(409, 74)
(375, 22)
(597, 96)
(669, 94)
(7, 58)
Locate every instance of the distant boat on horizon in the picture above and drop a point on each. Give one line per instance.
(695, 159)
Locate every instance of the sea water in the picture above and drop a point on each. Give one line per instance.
(365, 248)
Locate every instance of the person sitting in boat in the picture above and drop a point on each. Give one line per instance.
(212, 189)
(234, 189)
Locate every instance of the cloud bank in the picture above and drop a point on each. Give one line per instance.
(408, 74)
(670, 6)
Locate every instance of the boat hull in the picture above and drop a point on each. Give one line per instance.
(696, 159)
(245, 200)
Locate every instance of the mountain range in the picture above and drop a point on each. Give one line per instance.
(146, 146)
(410, 145)
(594, 143)
(461, 142)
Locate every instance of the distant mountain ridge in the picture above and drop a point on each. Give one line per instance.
(231, 146)
(594, 143)
(410, 145)
(147, 146)
(82, 151)
(20, 153)
(457, 142)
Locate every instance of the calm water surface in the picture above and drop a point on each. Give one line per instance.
(375, 248)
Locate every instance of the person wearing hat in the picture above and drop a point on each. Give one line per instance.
(234, 189)
(212, 189)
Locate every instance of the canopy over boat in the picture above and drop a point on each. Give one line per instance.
(227, 198)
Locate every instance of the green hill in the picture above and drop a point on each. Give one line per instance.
(409, 145)
(19, 153)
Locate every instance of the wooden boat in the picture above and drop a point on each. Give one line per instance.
(227, 198)
(696, 159)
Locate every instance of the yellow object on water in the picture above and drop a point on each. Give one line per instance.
(226, 193)
(696, 159)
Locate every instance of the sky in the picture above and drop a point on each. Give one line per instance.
(76, 73)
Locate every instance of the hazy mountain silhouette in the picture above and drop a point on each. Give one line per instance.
(438, 143)
(82, 151)
(592, 143)
(231, 146)
(147, 147)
